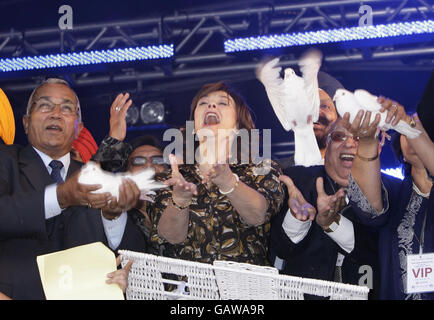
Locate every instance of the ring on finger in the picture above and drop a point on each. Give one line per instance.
(412, 122)
(89, 205)
(118, 108)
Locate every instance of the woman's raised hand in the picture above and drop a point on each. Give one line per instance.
(183, 191)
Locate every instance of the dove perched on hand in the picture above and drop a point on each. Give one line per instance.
(347, 101)
(91, 173)
(295, 101)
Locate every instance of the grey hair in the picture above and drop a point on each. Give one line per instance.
(49, 81)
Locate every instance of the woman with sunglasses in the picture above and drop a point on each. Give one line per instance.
(402, 211)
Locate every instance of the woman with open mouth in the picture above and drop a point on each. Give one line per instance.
(215, 207)
(215, 210)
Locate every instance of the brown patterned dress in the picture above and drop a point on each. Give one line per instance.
(216, 231)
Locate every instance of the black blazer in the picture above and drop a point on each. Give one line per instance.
(24, 231)
(315, 256)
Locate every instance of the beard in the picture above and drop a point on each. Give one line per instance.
(322, 141)
(321, 136)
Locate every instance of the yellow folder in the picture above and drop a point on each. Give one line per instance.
(79, 273)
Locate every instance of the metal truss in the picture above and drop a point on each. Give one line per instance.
(198, 36)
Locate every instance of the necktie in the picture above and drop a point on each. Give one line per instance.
(56, 165)
(338, 274)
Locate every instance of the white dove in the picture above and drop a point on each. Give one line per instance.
(347, 101)
(91, 173)
(294, 99)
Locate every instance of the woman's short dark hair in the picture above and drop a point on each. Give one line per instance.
(244, 117)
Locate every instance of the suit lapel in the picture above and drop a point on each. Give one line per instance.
(35, 171)
(33, 168)
(73, 167)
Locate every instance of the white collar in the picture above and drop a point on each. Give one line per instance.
(66, 160)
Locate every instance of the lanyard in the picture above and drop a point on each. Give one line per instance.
(422, 234)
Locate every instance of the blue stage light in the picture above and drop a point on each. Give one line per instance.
(394, 172)
(329, 36)
(86, 58)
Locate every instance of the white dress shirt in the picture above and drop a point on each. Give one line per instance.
(115, 228)
(51, 205)
(296, 230)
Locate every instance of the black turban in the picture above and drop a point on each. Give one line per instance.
(328, 83)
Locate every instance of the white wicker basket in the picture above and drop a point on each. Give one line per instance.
(160, 278)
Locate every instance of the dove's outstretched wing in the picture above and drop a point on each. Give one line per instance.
(91, 173)
(295, 99)
(269, 75)
(309, 64)
(144, 180)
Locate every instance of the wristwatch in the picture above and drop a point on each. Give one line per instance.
(334, 225)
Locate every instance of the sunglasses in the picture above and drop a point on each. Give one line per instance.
(140, 161)
(340, 136)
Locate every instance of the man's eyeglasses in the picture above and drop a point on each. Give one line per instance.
(140, 161)
(340, 136)
(67, 109)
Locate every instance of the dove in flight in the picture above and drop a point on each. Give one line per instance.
(295, 101)
(346, 101)
(91, 173)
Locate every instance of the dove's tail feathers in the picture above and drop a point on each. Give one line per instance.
(307, 152)
(312, 93)
(144, 180)
(145, 174)
(148, 186)
(310, 63)
(404, 128)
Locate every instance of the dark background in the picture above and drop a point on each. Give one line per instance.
(405, 86)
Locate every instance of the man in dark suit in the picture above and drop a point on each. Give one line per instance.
(317, 233)
(43, 208)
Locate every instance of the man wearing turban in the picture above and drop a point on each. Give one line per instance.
(7, 121)
(84, 147)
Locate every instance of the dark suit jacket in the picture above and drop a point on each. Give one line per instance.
(24, 232)
(315, 256)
